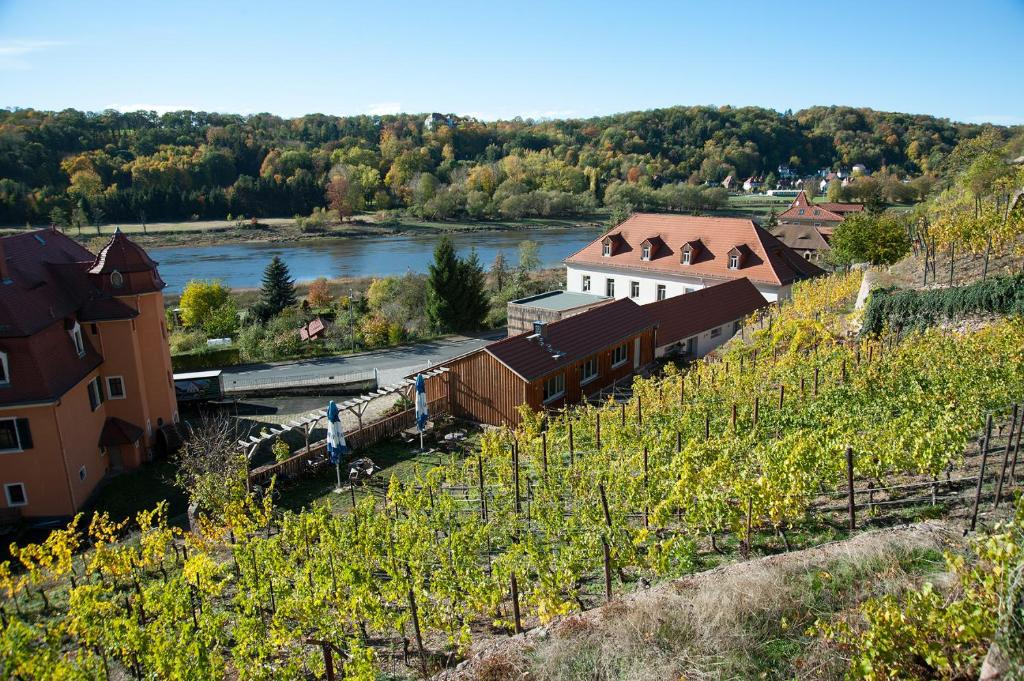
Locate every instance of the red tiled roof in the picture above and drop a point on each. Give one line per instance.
(826, 212)
(312, 329)
(768, 260)
(119, 432)
(574, 338)
(683, 316)
(842, 207)
(121, 254)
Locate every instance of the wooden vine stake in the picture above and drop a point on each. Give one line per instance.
(544, 451)
(597, 430)
(515, 473)
(850, 503)
(816, 370)
(981, 471)
(734, 418)
(572, 455)
(604, 545)
(707, 425)
(1006, 458)
(782, 395)
(480, 480)
(757, 410)
(1016, 450)
(416, 623)
(515, 604)
(647, 507)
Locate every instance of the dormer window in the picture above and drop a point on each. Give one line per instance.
(76, 338)
(690, 251)
(645, 252)
(801, 211)
(687, 254)
(116, 279)
(5, 376)
(606, 248)
(734, 261)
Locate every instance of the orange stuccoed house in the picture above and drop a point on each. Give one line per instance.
(85, 370)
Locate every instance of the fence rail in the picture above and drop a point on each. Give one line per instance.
(323, 380)
(370, 434)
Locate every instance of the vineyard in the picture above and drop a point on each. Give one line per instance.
(792, 422)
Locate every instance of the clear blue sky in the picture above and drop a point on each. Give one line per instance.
(963, 60)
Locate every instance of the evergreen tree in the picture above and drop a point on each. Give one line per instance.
(278, 290)
(444, 288)
(475, 304)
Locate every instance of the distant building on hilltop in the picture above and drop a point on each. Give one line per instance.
(85, 370)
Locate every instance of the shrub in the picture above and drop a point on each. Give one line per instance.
(281, 450)
(186, 341)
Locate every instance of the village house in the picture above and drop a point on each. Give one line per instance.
(552, 365)
(549, 306)
(651, 257)
(692, 325)
(85, 370)
(313, 330)
(806, 227)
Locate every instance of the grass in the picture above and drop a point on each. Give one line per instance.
(125, 495)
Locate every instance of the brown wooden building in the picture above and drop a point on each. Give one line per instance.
(553, 365)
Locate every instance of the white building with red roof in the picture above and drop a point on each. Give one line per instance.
(653, 256)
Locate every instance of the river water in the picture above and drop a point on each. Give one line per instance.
(240, 265)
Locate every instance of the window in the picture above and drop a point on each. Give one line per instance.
(645, 252)
(686, 256)
(606, 248)
(554, 387)
(801, 212)
(588, 372)
(807, 255)
(15, 492)
(116, 279)
(115, 388)
(817, 212)
(586, 282)
(661, 292)
(609, 288)
(715, 333)
(634, 289)
(15, 435)
(689, 290)
(95, 390)
(620, 355)
(76, 338)
(5, 377)
(734, 261)
(736, 326)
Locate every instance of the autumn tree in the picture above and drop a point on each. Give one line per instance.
(319, 294)
(876, 239)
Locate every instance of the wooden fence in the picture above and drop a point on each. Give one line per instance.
(370, 434)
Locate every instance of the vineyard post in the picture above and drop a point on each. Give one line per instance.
(515, 604)
(816, 381)
(544, 451)
(679, 441)
(639, 411)
(851, 505)
(707, 425)
(607, 570)
(857, 358)
(981, 471)
(597, 431)
(746, 541)
(1016, 450)
(734, 418)
(782, 395)
(682, 389)
(844, 370)
(622, 409)
(416, 623)
(480, 479)
(1006, 457)
(515, 472)
(571, 446)
(646, 505)
(753, 361)
(757, 410)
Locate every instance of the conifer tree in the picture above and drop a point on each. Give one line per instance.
(475, 304)
(278, 290)
(444, 288)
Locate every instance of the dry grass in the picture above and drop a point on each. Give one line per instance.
(745, 620)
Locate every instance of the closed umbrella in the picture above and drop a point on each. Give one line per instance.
(336, 447)
(421, 406)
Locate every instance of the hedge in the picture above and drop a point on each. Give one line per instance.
(905, 309)
(206, 359)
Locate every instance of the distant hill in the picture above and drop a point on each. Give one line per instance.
(123, 166)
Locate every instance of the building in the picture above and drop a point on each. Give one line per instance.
(548, 307)
(806, 227)
(85, 370)
(807, 241)
(692, 325)
(553, 365)
(651, 257)
(313, 330)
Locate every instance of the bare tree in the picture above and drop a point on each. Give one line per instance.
(211, 468)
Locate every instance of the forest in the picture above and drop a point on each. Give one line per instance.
(78, 168)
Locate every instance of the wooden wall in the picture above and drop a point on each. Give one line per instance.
(485, 390)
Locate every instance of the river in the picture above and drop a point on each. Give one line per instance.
(240, 265)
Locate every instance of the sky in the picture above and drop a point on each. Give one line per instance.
(495, 59)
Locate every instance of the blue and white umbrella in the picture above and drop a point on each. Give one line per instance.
(336, 447)
(421, 406)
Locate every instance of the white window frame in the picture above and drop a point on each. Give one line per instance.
(584, 378)
(606, 249)
(77, 339)
(616, 361)
(661, 292)
(7, 494)
(585, 285)
(6, 369)
(556, 395)
(645, 252)
(634, 289)
(716, 332)
(17, 436)
(609, 287)
(100, 398)
(734, 261)
(110, 393)
(687, 254)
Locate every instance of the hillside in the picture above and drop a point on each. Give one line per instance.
(134, 167)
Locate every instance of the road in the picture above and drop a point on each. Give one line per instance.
(391, 364)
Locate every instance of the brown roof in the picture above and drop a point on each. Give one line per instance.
(121, 254)
(119, 432)
(803, 209)
(571, 339)
(802, 237)
(842, 208)
(768, 260)
(687, 315)
(45, 365)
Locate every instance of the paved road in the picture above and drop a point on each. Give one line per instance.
(391, 364)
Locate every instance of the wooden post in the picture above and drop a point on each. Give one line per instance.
(544, 451)
(572, 457)
(639, 411)
(851, 505)
(757, 410)
(816, 381)
(515, 604)
(646, 506)
(1016, 449)
(328, 661)
(734, 418)
(746, 541)
(597, 430)
(707, 425)
(782, 395)
(416, 624)
(515, 473)
(981, 471)
(622, 408)
(604, 505)
(682, 389)
(679, 441)
(607, 570)
(801, 388)
(480, 479)
(1006, 457)
(844, 370)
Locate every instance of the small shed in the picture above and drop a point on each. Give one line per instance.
(548, 307)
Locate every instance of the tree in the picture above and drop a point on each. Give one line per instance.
(344, 194)
(836, 191)
(381, 292)
(98, 216)
(877, 239)
(199, 300)
(278, 290)
(319, 294)
(810, 188)
(475, 304)
(444, 288)
(499, 270)
(59, 218)
(773, 220)
(210, 467)
(529, 257)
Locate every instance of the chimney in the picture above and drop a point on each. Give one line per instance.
(539, 328)
(5, 272)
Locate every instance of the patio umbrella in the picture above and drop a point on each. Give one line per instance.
(336, 447)
(421, 406)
